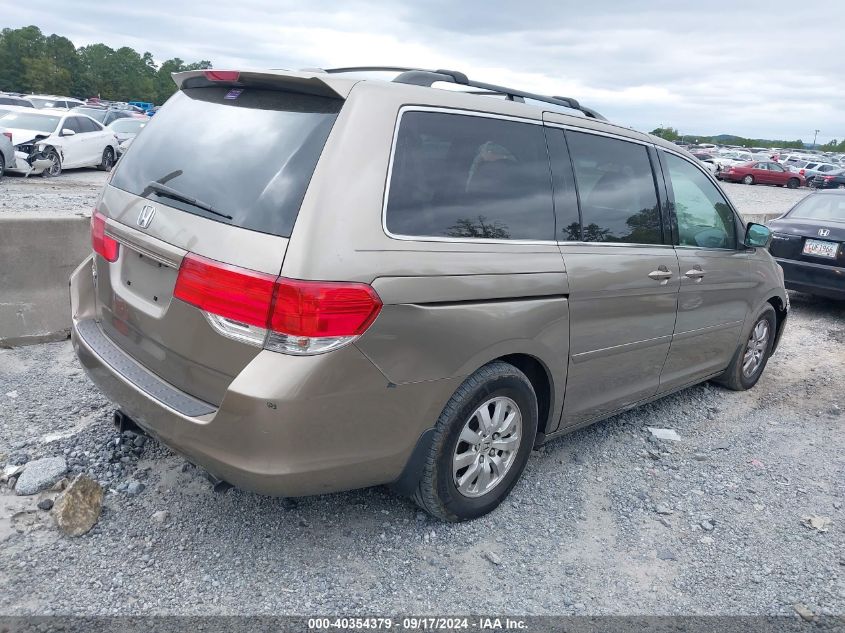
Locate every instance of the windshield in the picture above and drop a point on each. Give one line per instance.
(30, 121)
(127, 126)
(820, 207)
(94, 113)
(246, 153)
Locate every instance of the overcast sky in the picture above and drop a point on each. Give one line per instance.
(752, 68)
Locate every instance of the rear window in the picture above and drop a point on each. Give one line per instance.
(820, 207)
(460, 176)
(247, 154)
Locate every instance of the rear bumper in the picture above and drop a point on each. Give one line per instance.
(287, 425)
(817, 279)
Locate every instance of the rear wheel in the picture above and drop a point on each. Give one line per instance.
(750, 360)
(793, 183)
(107, 161)
(55, 167)
(840, 186)
(2, 166)
(481, 444)
(748, 180)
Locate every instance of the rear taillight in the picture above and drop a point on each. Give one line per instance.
(828, 178)
(103, 245)
(8, 135)
(801, 171)
(294, 317)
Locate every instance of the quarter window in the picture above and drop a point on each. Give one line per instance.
(463, 176)
(616, 188)
(703, 215)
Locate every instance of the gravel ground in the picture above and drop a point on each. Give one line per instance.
(73, 192)
(76, 192)
(604, 521)
(759, 199)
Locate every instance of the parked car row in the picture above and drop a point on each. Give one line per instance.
(46, 141)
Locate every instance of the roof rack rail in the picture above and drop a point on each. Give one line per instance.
(423, 77)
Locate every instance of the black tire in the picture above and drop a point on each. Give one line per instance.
(56, 168)
(748, 180)
(793, 183)
(734, 378)
(107, 162)
(2, 166)
(437, 492)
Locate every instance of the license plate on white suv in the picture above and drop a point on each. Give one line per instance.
(820, 248)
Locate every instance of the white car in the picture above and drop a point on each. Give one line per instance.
(48, 142)
(51, 101)
(733, 158)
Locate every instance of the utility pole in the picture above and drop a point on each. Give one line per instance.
(814, 139)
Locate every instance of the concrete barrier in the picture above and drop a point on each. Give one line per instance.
(37, 255)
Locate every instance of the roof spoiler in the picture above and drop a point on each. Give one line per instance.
(310, 83)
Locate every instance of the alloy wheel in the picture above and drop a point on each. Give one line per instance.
(755, 349)
(487, 447)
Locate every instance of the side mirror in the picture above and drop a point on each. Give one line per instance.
(757, 235)
(68, 132)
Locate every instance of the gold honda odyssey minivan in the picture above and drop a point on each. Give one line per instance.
(313, 281)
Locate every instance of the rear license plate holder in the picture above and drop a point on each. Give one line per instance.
(820, 248)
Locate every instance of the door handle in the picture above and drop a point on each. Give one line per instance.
(662, 274)
(696, 273)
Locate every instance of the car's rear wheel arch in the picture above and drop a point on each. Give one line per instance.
(780, 319)
(540, 378)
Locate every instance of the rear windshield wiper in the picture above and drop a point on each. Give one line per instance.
(170, 192)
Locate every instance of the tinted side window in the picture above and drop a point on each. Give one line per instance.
(566, 201)
(470, 177)
(704, 217)
(87, 125)
(72, 123)
(616, 189)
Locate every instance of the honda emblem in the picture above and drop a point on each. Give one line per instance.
(824, 232)
(146, 216)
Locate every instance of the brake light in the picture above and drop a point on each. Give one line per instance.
(315, 309)
(228, 291)
(801, 171)
(222, 75)
(8, 135)
(828, 178)
(296, 317)
(103, 245)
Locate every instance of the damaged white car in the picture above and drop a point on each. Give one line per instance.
(47, 142)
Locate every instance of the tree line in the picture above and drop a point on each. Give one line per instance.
(32, 62)
(671, 134)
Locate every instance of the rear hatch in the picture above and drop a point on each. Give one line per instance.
(813, 232)
(219, 172)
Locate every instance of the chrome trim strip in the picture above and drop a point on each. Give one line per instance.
(616, 349)
(680, 336)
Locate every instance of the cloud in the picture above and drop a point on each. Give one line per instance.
(700, 67)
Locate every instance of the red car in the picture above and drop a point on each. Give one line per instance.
(763, 173)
